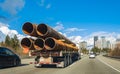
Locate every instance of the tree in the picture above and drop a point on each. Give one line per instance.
(107, 50)
(16, 41)
(2, 44)
(12, 42)
(84, 51)
(115, 52)
(7, 40)
(96, 50)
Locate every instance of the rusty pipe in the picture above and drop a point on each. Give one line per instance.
(53, 44)
(27, 43)
(39, 44)
(30, 29)
(46, 31)
(71, 47)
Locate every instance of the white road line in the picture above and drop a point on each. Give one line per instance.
(109, 65)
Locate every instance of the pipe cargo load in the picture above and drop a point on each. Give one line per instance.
(30, 29)
(39, 44)
(48, 46)
(46, 31)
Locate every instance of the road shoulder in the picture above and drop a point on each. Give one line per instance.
(114, 64)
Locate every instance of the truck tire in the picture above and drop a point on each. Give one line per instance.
(65, 61)
(70, 60)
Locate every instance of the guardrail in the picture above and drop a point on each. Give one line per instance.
(116, 57)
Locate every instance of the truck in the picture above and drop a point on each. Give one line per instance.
(48, 46)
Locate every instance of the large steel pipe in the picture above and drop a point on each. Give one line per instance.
(39, 44)
(53, 44)
(27, 43)
(30, 29)
(46, 31)
(71, 47)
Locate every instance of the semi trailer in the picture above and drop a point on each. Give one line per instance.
(49, 46)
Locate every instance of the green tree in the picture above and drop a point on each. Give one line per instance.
(2, 43)
(7, 40)
(15, 43)
(96, 50)
(107, 50)
(12, 42)
(84, 51)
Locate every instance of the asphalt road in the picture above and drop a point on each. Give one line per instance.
(99, 65)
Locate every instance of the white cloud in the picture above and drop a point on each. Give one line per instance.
(69, 30)
(89, 40)
(4, 29)
(59, 26)
(2, 36)
(64, 34)
(12, 6)
(75, 39)
(48, 6)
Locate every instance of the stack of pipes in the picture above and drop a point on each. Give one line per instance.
(46, 39)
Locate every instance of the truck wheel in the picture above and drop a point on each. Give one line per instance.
(70, 60)
(65, 62)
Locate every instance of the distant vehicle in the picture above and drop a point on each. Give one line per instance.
(81, 54)
(8, 58)
(91, 55)
(97, 54)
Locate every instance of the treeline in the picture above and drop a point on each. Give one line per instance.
(12, 43)
(115, 52)
(109, 52)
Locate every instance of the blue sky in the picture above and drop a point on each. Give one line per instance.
(79, 17)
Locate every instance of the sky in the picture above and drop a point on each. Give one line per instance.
(78, 20)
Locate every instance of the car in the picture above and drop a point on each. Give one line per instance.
(81, 54)
(8, 58)
(91, 55)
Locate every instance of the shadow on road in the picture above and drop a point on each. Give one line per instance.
(14, 66)
(23, 64)
(47, 66)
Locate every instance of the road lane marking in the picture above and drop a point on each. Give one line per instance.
(109, 65)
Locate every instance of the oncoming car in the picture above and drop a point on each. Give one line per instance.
(91, 55)
(8, 58)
